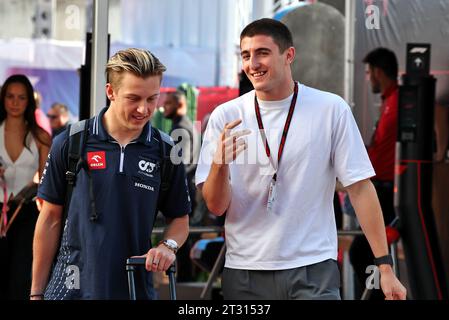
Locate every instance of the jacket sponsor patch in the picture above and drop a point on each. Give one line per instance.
(96, 160)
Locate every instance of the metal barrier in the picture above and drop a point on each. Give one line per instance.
(193, 230)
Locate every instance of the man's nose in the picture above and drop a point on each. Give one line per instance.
(143, 108)
(254, 63)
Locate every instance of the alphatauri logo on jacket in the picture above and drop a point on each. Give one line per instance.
(146, 166)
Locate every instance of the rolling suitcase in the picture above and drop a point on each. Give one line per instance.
(131, 265)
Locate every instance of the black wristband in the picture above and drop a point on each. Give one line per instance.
(384, 260)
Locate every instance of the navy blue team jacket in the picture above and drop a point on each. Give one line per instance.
(126, 183)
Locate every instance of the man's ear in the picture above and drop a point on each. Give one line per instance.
(291, 53)
(110, 92)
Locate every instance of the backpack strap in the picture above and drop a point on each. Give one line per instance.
(167, 166)
(77, 139)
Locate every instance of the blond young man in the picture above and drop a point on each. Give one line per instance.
(115, 197)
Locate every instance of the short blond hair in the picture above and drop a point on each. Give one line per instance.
(139, 62)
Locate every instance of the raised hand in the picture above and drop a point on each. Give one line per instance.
(230, 144)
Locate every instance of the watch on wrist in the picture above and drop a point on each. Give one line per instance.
(171, 244)
(387, 259)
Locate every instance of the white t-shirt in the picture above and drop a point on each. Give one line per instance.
(19, 173)
(323, 143)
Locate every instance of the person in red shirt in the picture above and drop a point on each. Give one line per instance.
(382, 68)
(382, 148)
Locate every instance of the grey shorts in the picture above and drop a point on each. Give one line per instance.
(320, 281)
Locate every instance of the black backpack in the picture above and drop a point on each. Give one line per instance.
(78, 133)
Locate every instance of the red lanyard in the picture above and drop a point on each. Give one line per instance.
(284, 132)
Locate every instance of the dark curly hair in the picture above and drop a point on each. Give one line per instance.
(30, 119)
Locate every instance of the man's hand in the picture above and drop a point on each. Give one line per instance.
(158, 259)
(439, 155)
(391, 286)
(230, 145)
(217, 188)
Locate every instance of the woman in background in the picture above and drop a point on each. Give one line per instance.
(24, 148)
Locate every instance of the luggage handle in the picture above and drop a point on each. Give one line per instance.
(131, 265)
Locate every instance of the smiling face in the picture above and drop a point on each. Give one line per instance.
(16, 100)
(266, 67)
(134, 100)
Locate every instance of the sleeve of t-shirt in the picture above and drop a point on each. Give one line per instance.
(177, 202)
(208, 147)
(53, 185)
(349, 156)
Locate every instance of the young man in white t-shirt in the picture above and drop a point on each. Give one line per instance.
(275, 179)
